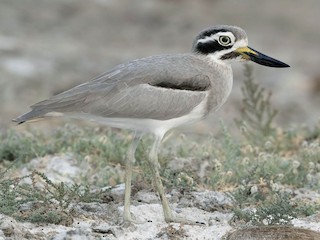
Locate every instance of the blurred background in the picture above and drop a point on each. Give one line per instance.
(48, 46)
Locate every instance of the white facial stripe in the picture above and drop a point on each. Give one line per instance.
(215, 37)
(207, 39)
(215, 57)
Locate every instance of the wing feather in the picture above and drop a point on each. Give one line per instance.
(160, 87)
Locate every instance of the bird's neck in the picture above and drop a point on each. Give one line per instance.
(213, 60)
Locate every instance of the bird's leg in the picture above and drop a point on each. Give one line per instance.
(154, 164)
(128, 176)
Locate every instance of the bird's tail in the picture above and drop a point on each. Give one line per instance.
(32, 115)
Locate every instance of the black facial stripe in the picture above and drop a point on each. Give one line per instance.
(230, 55)
(210, 47)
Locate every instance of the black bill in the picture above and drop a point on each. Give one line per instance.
(257, 57)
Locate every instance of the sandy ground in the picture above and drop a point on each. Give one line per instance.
(153, 227)
(89, 226)
(104, 220)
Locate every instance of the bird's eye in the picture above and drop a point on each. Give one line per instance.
(224, 40)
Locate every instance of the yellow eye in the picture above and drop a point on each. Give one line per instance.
(224, 40)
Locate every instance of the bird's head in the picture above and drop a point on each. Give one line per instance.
(228, 43)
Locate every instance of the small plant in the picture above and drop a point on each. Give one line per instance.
(42, 201)
(278, 210)
(257, 113)
(22, 147)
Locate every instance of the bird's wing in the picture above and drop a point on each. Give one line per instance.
(161, 87)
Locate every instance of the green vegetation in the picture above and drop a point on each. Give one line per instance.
(102, 143)
(255, 169)
(277, 209)
(42, 200)
(257, 113)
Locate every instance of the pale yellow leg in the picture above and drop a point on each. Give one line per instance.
(154, 164)
(128, 176)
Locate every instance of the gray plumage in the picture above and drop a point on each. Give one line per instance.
(158, 87)
(131, 90)
(156, 94)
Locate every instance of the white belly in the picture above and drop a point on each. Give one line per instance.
(158, 127)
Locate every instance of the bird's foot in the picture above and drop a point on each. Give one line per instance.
(128, 222)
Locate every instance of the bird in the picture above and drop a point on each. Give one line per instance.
(156, 94)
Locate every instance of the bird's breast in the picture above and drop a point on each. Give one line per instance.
(221, 86)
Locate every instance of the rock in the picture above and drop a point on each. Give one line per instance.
(145, 196)
(107, 212)
(74, 234)
(117, 192)
(207, 201)
(10, 228)
(104, 229)
(60, 168)
(273, 233)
